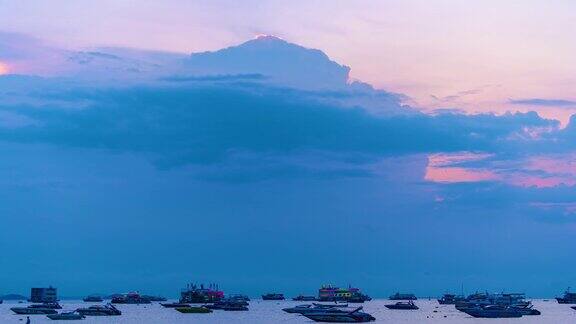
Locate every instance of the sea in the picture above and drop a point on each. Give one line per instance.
(271, 312)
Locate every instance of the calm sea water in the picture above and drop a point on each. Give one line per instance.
(271, 312)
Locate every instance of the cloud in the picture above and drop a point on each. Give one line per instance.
(199, 124)
(215, 78)
(544, 102)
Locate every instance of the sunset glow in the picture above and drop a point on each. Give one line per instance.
(3, 68)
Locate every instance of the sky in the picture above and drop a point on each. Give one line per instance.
(477, 56)
(391, 145)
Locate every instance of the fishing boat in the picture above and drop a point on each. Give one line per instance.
(409, 305)
(99, 310)
(193, 310)
(68, 316)
(337, 315)
(273, 296)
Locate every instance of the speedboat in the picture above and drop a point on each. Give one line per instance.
(37, 309)
(100, 310)
(68, 316)
(311, 308)
(409, 305)
(336, 315)
(493, 311)
(33, 311)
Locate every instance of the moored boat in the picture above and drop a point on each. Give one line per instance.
(99, 310)
(33, 311)
(340, 316)
(174, 305)
(194, 294)
(568, 298)
(334, 294)
(450, 299)
(311, 308)
(193, 310)
(273, 296)
(93, 299)
(493, 311)
(409, 305)
(304, 298)
(399, 296)
(67, 316)
(130, 298)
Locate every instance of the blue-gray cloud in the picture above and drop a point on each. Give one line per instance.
(544, 102)
(196, 124)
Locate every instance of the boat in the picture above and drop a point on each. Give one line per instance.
(194, 294)
(174, 305)
(399, 296)
(273, 296)
(334, 294)
(100, 310)
(33, 310)
(194, 310)
(311, 308)
(154, 298)
(68, 316)
(409, 305)
(450, 299)
(234, 307)
(337, 315)
(227, 303)
(239, 297)
(568, 298)
(93, 299)
(304, 298)
(493, 311)
(130, 298)
(527, 310)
